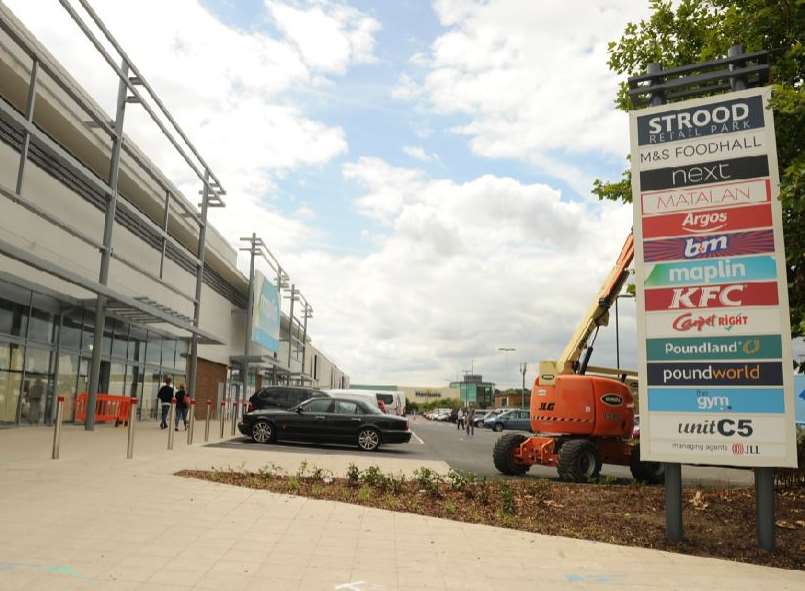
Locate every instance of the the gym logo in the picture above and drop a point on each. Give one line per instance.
(714, 402)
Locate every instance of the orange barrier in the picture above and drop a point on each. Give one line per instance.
(108, 407)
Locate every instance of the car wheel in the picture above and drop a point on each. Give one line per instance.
(368, 439)
(263, 432)
(498, 427)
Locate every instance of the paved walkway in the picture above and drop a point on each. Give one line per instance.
(93, 520)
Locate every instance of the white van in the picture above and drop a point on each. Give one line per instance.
(393, 401)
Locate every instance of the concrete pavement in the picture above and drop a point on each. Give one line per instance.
(94, 520)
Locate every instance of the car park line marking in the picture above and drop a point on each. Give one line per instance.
(418, 438)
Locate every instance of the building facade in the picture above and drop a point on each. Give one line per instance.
(55, 195)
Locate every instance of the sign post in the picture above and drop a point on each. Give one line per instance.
(714, 335)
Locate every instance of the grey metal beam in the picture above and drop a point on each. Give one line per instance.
(26, 257)
(201, 253)
(106, 253)
(30, 105)
(165, 221)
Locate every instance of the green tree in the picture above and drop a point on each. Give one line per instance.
(700, 30)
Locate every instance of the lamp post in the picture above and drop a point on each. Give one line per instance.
(523, 369)
(508, 350)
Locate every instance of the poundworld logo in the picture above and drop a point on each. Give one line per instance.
(715, 374)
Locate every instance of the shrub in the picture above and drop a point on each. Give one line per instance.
(373, 476)
(506, 499)
(396, 483)
(363, 494)
(428, 480)
(460, 480)
(353, 475)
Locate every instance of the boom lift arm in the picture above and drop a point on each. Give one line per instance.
(596, 316)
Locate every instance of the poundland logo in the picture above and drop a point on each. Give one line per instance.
(713, 119)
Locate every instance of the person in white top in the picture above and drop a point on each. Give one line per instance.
(460, 419)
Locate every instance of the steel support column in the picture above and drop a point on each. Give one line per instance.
(304, 342)
(200, 255)
(30, 105)
(106, 253)
(244, 367)
(290, 330)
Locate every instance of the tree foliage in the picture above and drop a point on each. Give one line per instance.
(700, 30)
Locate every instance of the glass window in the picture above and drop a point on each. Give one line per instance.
(151, 383)
(117, 379)
(275, 397)
(154, 351)
(42, 327)
(71, 331)
(37, 387)
(14, 310)
(319, 405)
(134, 381)
(168, 353)
(346, 407)
(182, 351)
(137, 341)
(386, 398)
(66, 383)
(120, 344)
(10, 381)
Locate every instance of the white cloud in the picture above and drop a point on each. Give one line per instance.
(463, 268)
(329, 35)
(231, 90)
(531, 80)
(419, 153)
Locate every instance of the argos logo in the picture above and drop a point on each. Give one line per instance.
(704, 222)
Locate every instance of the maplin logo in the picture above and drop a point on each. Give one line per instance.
(612, 399)
(704, 222)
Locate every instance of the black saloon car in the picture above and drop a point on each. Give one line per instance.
(282, 397)
(327, 420)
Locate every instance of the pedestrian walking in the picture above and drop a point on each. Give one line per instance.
(460, 419)
(165, 395)
(470, 420)
(182, 406)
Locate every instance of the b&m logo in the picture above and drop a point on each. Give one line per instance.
(701, 247)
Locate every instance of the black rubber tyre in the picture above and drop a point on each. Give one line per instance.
(263, 432)
(503, 455)
(369, 439)
(498, 427)
(578, 461)
(648, 472)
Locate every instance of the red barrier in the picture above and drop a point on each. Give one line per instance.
(108, 407)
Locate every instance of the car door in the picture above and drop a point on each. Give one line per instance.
(311, 421)
(347, 418)
(523, 421)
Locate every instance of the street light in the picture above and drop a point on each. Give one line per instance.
(508, 350)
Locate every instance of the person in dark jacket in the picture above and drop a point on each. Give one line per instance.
(182, 406)
(165, 395)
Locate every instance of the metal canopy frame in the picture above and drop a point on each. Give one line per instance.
(257, 248)
(142, 310)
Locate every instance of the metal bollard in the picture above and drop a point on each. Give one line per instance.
(130, 449)
(57, 427)
(207, 422)
(222, 417)
(234, 417)
(192, 425)
(171, 419)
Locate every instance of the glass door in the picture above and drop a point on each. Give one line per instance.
(36, 403)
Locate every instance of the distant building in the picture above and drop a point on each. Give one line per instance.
(475, 391)
(418, 394)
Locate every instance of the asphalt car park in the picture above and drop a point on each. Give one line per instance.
(441, 441)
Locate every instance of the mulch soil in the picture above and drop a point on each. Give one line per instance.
(719, 523)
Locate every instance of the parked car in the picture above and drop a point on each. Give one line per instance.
(327, 420)
(393, 403)
(480, 415)
(442, 415)
(282, 397)
(517, 420)
(493, 413)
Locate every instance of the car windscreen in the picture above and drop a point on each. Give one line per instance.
(386, 398)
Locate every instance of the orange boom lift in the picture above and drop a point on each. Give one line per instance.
(583, 416)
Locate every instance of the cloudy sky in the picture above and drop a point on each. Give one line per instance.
(422, 169)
